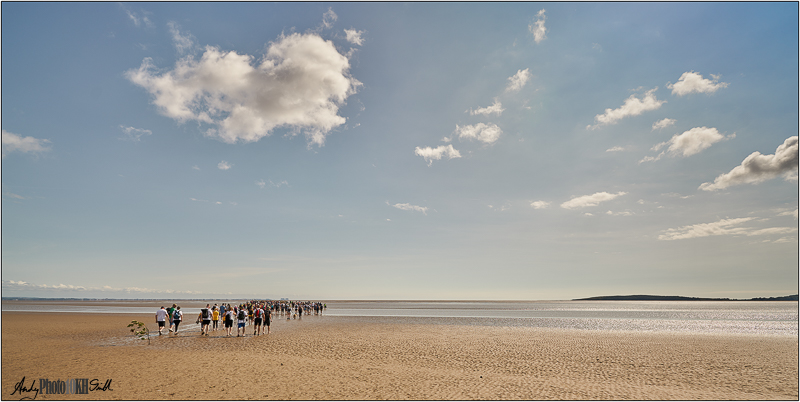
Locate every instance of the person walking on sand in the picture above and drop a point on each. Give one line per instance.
(242, 320)
(204, 318)
(161, 318)
(229, 321)
(257, 313)
(177, 316)
(215, 318)
(170, 311)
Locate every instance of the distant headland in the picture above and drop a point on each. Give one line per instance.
(682, 298)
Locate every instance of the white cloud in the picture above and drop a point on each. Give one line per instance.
(537, 27)
(486, 133)
(721, 227)
(771, 231)
(437, 153)
(409, 207)
(224, 165)
(590, 200)
(789, 213)
(300, 84)
(691, 81)
(354, 36)
(689, 143)
(540, 204)
(621, 213)
(182, 42)
(615, 149)
(261, 183)
(757, 168)
(195, 167)
(134, 134)
(16, 143)
(496, 108)
(663, 123)
(695, 140)
(633, 106)
(518, 80)
(329, 18)
(651, 158)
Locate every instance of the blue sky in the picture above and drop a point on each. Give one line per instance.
(399, 151)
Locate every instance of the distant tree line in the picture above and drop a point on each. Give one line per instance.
(682, 298)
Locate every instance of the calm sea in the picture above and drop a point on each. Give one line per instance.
(730, 317)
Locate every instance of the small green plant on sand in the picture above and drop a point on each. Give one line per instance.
(139, 329)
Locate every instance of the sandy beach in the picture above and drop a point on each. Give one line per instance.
(355, 358)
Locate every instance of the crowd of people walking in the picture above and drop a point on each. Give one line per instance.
(258, 314)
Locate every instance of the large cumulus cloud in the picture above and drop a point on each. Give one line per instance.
(757, 167)
(299, 84)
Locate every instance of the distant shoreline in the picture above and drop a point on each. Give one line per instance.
(685, 298)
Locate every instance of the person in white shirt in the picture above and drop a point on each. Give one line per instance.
(161, 318)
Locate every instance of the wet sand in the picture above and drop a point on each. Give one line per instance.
(355, 358)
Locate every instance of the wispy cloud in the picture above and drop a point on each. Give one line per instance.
(353, 36)
(329, 18)
(590, 200)
(299, 84)
(486, 133)
(409, 207)
(263, 184)
(431, 154)
(691, 81)
(537, 27)
(720, 228)
(663, 123)
(16, 143)
(620, 213)
(224, 165)
(19, 197)
(133, 134)
(496, 108)
(615, 149)
(518, 80)
(633, 106)
(540, 204)
(183, 42)
(137, 18)
(757, 168)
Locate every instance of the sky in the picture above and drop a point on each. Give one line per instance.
(448, 151)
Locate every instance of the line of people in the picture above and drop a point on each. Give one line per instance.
(257, 313)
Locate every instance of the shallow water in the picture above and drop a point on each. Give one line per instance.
(719, 317)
